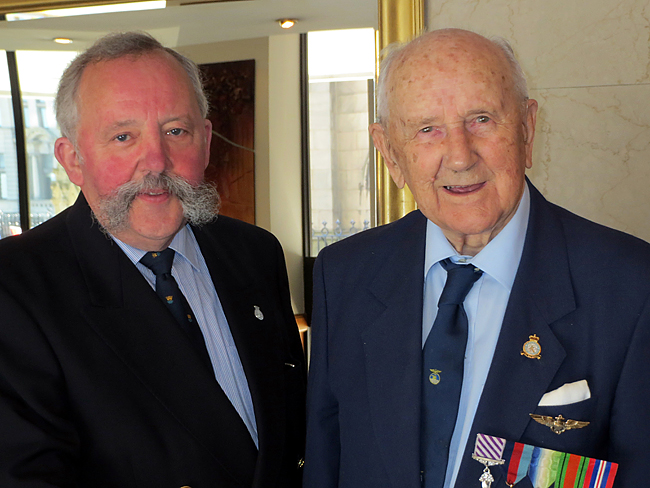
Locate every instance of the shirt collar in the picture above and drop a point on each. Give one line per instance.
(184, 243)
(499, 259)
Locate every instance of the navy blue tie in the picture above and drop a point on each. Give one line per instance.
(443, 359)
(169, 292)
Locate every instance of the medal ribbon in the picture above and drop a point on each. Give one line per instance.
(519, 463)
(546, 468)
(489, 447)
(600, 474)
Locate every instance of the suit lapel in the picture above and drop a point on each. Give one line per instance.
(253, 319)
(128, 315)
(542, 293)
(393, 344)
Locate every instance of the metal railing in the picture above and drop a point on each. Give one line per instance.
(10, 222)
(325, 236)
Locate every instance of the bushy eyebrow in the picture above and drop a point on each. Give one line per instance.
(436, 120)
(121, 124)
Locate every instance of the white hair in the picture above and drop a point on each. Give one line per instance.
(109, 47)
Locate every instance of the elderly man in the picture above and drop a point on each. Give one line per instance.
(470, 314)
(143, 341)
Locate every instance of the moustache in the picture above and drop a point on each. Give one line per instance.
(200, 202)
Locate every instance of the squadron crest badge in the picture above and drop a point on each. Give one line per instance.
(531, 348)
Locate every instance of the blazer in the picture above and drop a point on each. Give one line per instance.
(583, 289)
(99, 387)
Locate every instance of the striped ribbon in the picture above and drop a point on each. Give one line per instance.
(546, 468)
(489, 447)
(520, 457)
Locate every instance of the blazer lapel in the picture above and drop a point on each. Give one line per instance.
(542, 293)
(128, 315)
(393, 345)
(253, 319)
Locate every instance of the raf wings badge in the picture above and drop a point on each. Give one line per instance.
(531, 348)
(558, 424)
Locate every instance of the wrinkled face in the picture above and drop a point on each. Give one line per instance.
(457, 136)
(137, 115)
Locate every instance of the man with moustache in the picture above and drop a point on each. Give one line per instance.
(546, 313)
(144, 341)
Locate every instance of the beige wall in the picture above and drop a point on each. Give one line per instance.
(257, 49)
(277, 139)
(285, 157)
(588, 65)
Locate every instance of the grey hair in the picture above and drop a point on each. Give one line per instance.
(396, 50)
(113, 46)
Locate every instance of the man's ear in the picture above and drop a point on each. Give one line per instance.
(66, 154)
(529, 122)
(380, 139)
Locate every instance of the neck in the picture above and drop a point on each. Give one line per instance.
(468, 245)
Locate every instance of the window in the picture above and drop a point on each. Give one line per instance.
(48, 189)
(341, 157)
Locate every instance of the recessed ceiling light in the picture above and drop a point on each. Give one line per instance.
(287, 23)
(62, 40)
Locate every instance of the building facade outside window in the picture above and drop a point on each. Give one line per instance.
(341, 156)
(49, 190)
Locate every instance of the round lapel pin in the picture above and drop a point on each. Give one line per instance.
(531, 348)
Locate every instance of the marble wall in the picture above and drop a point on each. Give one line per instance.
(588, 65)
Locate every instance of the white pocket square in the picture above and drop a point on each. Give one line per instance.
(567, 394)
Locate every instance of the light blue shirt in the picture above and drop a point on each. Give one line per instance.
(193, 278)
(485, 306)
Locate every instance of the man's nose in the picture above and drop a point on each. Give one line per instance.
(460, 155)
(155, 157)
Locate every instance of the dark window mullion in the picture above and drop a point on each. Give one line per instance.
(308, 261)
(21, 153)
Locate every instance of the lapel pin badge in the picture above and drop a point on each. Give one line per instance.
(531, 348)
(434, 377)
(258, 313)
(558, 424)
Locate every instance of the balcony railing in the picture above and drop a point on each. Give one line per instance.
(325, 236)
(10, 222)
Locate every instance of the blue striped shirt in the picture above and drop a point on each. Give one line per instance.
(193, 278)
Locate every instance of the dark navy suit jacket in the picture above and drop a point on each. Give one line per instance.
(583, 289)
(99, 387)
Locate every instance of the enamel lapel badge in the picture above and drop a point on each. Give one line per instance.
(531, 348)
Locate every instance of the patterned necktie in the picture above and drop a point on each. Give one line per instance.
(169, 292)
(443, 360)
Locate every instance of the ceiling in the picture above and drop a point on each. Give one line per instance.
(185, 25)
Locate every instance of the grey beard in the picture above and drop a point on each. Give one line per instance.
(200, 203)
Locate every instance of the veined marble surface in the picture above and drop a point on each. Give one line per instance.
(588, 65)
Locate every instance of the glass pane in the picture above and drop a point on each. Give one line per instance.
(341, 73)
(9, 209)
(50, 191)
